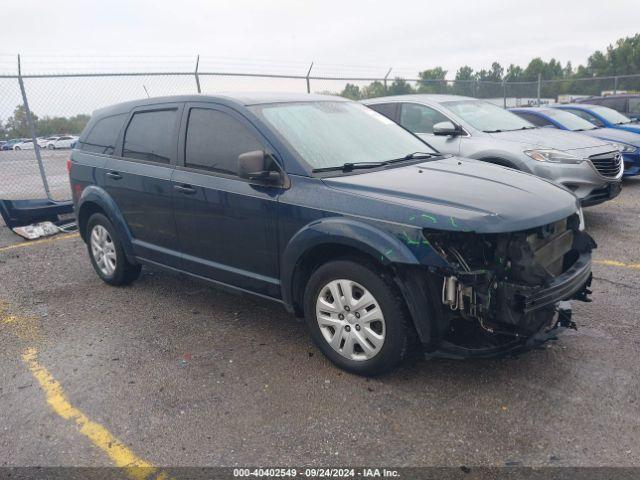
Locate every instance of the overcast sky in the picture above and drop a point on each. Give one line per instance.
(287, 34)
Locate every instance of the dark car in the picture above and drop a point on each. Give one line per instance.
(627, 104)
(627, 142)
(337, 213)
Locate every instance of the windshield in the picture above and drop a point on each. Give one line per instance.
(486, 116)
(330, 134)
(569, 120)
(610, 115)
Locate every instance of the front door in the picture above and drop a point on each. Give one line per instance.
(420, 119)
(139, 180)
(226, 227)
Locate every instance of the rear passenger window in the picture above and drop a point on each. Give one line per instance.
(215, 139)
(102, 136)
(151, 136)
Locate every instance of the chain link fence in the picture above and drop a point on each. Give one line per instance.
(61, 103)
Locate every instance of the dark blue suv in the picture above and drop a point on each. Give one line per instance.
(331, 209)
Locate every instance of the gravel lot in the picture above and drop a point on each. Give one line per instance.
(183, 374)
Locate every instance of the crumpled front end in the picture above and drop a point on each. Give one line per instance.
(505, 292)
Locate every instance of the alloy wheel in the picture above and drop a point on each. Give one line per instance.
(103, 250)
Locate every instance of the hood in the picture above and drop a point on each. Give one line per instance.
(462, 194)
(550, 138)
(615, 135)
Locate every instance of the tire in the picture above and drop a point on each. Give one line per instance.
(51, 147)
(112, 266)
(17, 149)
(348, 333)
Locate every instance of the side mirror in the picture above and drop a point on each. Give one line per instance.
(259, 168)
(447, 129)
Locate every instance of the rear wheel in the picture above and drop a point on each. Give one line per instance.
(17, 149)
(106, 252)
(356, 317)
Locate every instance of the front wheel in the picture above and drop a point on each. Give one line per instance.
(106, 252)
(357, 317)
(17, 149)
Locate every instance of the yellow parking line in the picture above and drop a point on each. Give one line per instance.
(135, 467)
(38, 242)
(616, 263)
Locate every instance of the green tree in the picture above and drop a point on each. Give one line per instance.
(399, 86)
(17, 125)
(375, 89)
(351, 91)
(432, 80)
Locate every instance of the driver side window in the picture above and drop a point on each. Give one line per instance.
(420, 118)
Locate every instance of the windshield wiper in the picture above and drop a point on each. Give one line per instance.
(348, 167)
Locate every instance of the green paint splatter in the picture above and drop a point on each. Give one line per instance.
(453, 222)
(429, 217)
(412, 218)
(389, 252)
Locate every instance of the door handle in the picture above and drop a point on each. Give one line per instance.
(186, 189)
(114, 175)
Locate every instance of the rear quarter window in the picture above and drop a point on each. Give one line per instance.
(102, 136)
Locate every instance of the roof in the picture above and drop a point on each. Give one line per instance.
(243, 98)
(430, 97)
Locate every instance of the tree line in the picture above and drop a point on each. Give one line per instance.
(16, 126)
(621, 58)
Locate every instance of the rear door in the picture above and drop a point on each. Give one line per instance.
(227, 228)
(139, 180)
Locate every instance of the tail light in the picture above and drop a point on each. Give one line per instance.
(69, 165)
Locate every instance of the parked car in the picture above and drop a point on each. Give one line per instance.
(24, 144)
(11, 143)
(590, 168)
(627, 142)
(337, 213)
(2, 143)
(600, 116)
(64, 141)
(626, 104)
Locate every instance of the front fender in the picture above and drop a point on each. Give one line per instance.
(386, 245)
(94, 195)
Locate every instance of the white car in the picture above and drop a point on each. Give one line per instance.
(25, 144)
(64, 141)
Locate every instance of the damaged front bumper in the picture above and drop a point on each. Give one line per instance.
(510, 293)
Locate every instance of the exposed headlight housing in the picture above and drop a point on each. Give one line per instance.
(624, 148)
(553, 156)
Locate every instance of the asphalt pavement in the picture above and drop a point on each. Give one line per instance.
(172, 372)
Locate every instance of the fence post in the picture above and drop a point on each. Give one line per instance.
(504, 94)
(539, 87)
(196, 74)
(32, 130)
(308, 83)
(615, 84)
(385, 78)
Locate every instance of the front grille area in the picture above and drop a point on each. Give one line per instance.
(608, 164)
